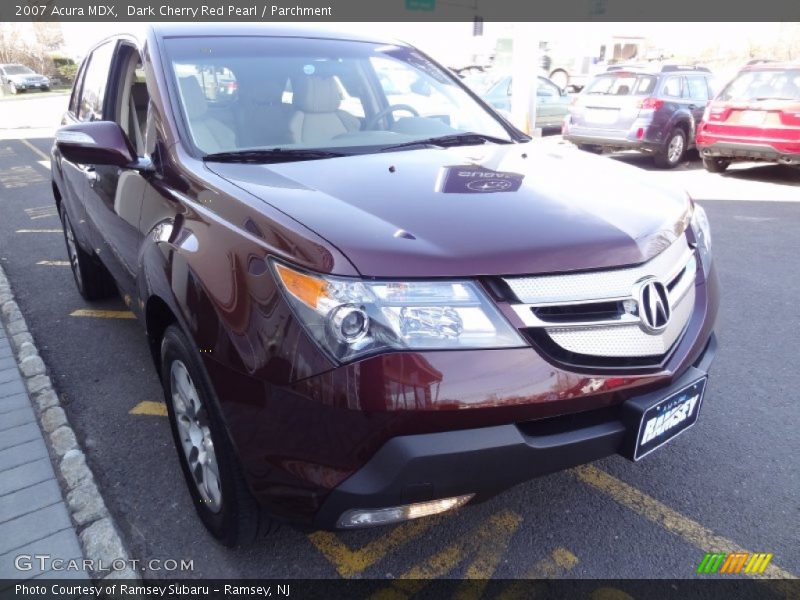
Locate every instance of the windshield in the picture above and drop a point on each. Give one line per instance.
(622, 84)
(764, 85)
(17, 70)
(240, 93)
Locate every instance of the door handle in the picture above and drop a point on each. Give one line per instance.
(92, 176)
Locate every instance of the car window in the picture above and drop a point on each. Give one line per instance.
(316, 93)
(672, 87)
(95, 81)
(18, 70)
(771, 84)
(696, 89)
(545, 89)
(621, 84)
(76, 89)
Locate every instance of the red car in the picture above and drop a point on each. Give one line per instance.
(756, 117)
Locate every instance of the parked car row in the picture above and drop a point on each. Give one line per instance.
(668, 109)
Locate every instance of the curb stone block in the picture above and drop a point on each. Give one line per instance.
(73, 468)
(63, 440)
(86, 504)
(31, 366)
(16, 327)
(101, 543)
(20, 338)
(46, 399)
(26, 350)
(53, 418)
(37, 383)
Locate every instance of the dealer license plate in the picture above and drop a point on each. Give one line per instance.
(669, 417)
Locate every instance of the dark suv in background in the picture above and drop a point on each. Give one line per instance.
(651, 109)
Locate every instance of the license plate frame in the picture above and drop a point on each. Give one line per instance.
(637, 412)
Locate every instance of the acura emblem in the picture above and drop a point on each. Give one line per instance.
(654, 309)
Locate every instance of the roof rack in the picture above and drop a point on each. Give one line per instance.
(656, 68)
(671, 68)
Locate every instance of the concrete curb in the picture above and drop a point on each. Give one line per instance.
(93, 523)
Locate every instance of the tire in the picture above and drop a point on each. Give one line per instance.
(560, 78)
(92, 279)
(714, 164)
(672, 152)
(13, 89)
(45, 89)
(591, 148)
(222, 499)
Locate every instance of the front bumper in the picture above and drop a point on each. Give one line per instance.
(486, 461)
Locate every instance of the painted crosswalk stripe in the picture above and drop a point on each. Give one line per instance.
(103, 314)
(53, 263)
(150, 408)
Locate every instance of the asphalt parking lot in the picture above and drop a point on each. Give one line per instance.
(731, 484)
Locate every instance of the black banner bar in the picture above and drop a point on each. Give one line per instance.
(711, 588)
(399, 10)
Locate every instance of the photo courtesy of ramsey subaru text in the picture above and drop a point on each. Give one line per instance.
(369, 298)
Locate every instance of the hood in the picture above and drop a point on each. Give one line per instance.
(476, 210)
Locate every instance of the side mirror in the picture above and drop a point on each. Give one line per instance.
(564, 91)
(96, 143)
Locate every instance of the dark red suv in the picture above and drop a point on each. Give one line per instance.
(368, 305)
(756, 117)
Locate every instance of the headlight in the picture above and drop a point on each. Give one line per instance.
(702, 235)
(351, 317)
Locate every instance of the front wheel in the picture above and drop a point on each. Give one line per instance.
(714, 164)
(12, 88)
(671, 154)
(211, 469)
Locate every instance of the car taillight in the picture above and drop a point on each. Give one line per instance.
(791, 117)
(651, 104)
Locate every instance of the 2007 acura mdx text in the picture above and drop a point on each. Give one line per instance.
(368, 297)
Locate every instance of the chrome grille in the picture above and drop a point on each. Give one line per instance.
(596, 314)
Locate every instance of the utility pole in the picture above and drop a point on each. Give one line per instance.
(524, 73)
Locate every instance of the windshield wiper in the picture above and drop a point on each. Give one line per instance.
(445, 141)
(273, 155)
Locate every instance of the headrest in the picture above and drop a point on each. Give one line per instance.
(316, 94)
(194, 100)
(263, 91)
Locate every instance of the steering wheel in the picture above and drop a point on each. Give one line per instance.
(387, 111)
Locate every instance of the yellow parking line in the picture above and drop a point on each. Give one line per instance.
(53, 263)
(350, 562)
(150, 408)
(36, 151)
(39, 230)
(486, 543)
(103, 314)
(557, 564)
(674, 522)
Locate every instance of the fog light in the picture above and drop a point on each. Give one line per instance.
(384, 516)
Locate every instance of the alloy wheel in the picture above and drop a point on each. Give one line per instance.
(72, 251)
(194, 430)
(675, 149)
